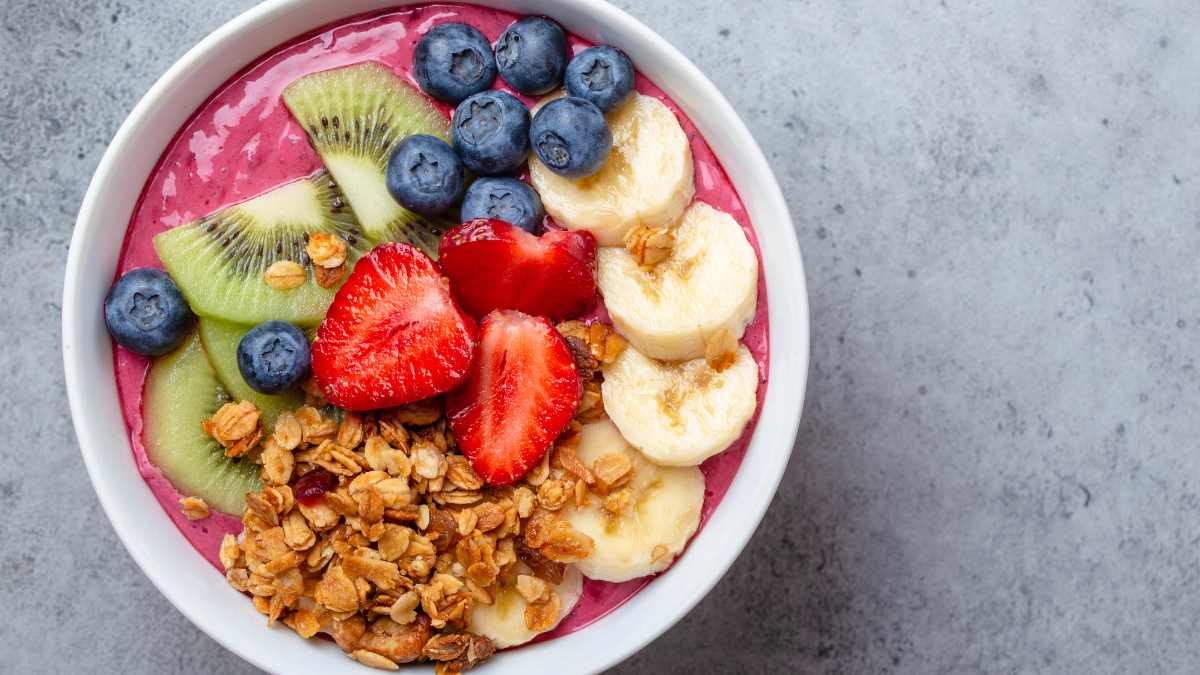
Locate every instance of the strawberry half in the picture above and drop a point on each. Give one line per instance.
(393, 334)
(494, 265)
(520, 396)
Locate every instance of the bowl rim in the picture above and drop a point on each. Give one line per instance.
(787, 302)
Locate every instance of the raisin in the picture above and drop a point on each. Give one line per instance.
(443, 530)
(543, 567)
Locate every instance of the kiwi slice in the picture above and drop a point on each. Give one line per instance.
(220, 339)
(353, 116)
(218, 261)
(181, 390)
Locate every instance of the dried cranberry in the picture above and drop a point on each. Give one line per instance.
(313, 485)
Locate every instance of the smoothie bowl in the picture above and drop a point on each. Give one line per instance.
(453, 334)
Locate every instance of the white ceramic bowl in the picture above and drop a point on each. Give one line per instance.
(182, 575)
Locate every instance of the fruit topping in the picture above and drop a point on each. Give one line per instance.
(571, 137)
(647, 181)
(273, 358)
(602, 75)
(181, 392)
(424, 174)
(394, 334)
(227, 264)
(707, 282)
(680, 414)
(521, 394)
(453, 61)
(507, 199)
(647, 516)
(220, 340)
(312, 486)
(353, 117)
(532, 55)
(490, 131)
(146, 313)
(495, 265)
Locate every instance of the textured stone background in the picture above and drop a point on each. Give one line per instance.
(996, 470)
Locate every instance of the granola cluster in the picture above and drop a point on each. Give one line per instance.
(328, 256)
(721, 350)
(649, 246)
(377, 530)
(236, 427)
(592, 344)
(284, 275)
(194, 508)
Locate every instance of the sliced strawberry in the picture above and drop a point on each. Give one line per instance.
(494, 265)
(393, 334)
(521, 394)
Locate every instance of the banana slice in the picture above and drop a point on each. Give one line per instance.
(709, 282)
(679, 414)
(660, 513)
(503, 622)
(648, 179)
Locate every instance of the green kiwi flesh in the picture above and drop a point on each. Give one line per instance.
(182, 390)
(218, 261)
(353, 116)
(220, 339)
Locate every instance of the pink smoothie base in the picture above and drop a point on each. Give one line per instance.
(243, 142)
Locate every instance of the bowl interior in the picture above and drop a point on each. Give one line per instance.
(164, 555)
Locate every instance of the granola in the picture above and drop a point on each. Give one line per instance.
(592, 345)
(313, 395)
(649, 246)
(328, 255)
(721, 350)
(329, 277)
(604, 344)
(194, 508)
(393, 558)
(236, 427)
(326, 250)
(285, 275)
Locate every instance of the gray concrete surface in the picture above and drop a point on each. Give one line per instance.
(997, 468)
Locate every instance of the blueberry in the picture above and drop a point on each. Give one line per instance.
(490, 132)
(571, 137)
(424, 174)
(274, 357)
(453, 61)
(146, 313)
(507, 199)
(532, 55)
(602, 75)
